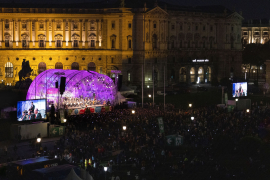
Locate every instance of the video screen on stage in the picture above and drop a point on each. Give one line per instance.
(31, 110)
(239, 89)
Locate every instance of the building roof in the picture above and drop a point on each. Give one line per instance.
(101, 4)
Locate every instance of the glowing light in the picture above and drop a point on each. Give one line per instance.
(38, 140)
(133, 111)
(190, 105)
(65, 120)
(247, 110)
(236, 99)
(124, 128)
(147, 86)
(105, 169)
(192, 118)
(149, 95)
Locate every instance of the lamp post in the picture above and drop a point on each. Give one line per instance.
(105, 170)
(236, 99)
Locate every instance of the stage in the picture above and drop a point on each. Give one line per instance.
(93, 109)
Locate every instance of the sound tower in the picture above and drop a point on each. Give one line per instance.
(119, 83)
(62, 85)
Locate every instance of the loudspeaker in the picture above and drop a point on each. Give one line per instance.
(119, 83)
(56, 84)
(62, 85)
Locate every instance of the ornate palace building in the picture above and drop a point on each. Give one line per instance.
(191, 44)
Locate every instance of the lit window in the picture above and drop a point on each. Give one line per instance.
(8, 70)
(128, 76)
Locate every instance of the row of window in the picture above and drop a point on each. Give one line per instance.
(188, 27)
(42, 67)
(41, 43)
(113, 25)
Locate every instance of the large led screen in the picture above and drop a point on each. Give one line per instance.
(31, 110)
(239, 89)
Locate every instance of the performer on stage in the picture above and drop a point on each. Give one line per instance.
(32, 108)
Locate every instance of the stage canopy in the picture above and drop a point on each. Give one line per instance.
(79, 85)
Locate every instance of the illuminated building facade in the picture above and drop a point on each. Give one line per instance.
(128, 38)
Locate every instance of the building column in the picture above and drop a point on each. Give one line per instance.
(47, 44)
(19, 34)
(97, 42)
(86, 35)
(53, 42)
(80, 42)
(14, 34)
(64, 34)
(69, 34)
(36, 33)
(31, 35)
(3, 34)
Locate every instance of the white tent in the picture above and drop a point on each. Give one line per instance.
(72, 176)
(120, 98)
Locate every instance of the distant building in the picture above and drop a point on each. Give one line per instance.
(255, 31)
(192, 43)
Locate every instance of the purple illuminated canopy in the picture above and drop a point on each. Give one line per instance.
(79, 85)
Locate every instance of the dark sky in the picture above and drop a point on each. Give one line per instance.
(255, 9)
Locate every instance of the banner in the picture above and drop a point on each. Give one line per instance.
(161, 125)
(174, 140)
(62, 115)
(57, 131)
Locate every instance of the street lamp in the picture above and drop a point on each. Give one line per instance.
(38, 140)
(124, 128)
(236, 99)
(192, 118)
(148, 86)
(133, 111)
(190, 105)
(149, 95)
(105, 169)
(65, 120)
(149, 79)
(247, 110)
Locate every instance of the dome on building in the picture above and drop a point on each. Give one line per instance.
(79, 85)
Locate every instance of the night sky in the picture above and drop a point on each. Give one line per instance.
(252, 9)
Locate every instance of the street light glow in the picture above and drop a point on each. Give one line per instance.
(124, 128)
(65, 120)
(247, 110)
(236, 99)
(148, 86)
(38, 140)
(190, 105)
(149, 95)
(105, 169)
(192, 118)
(133, 111)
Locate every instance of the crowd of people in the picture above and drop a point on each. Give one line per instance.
(98, 139)
(94, 137)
